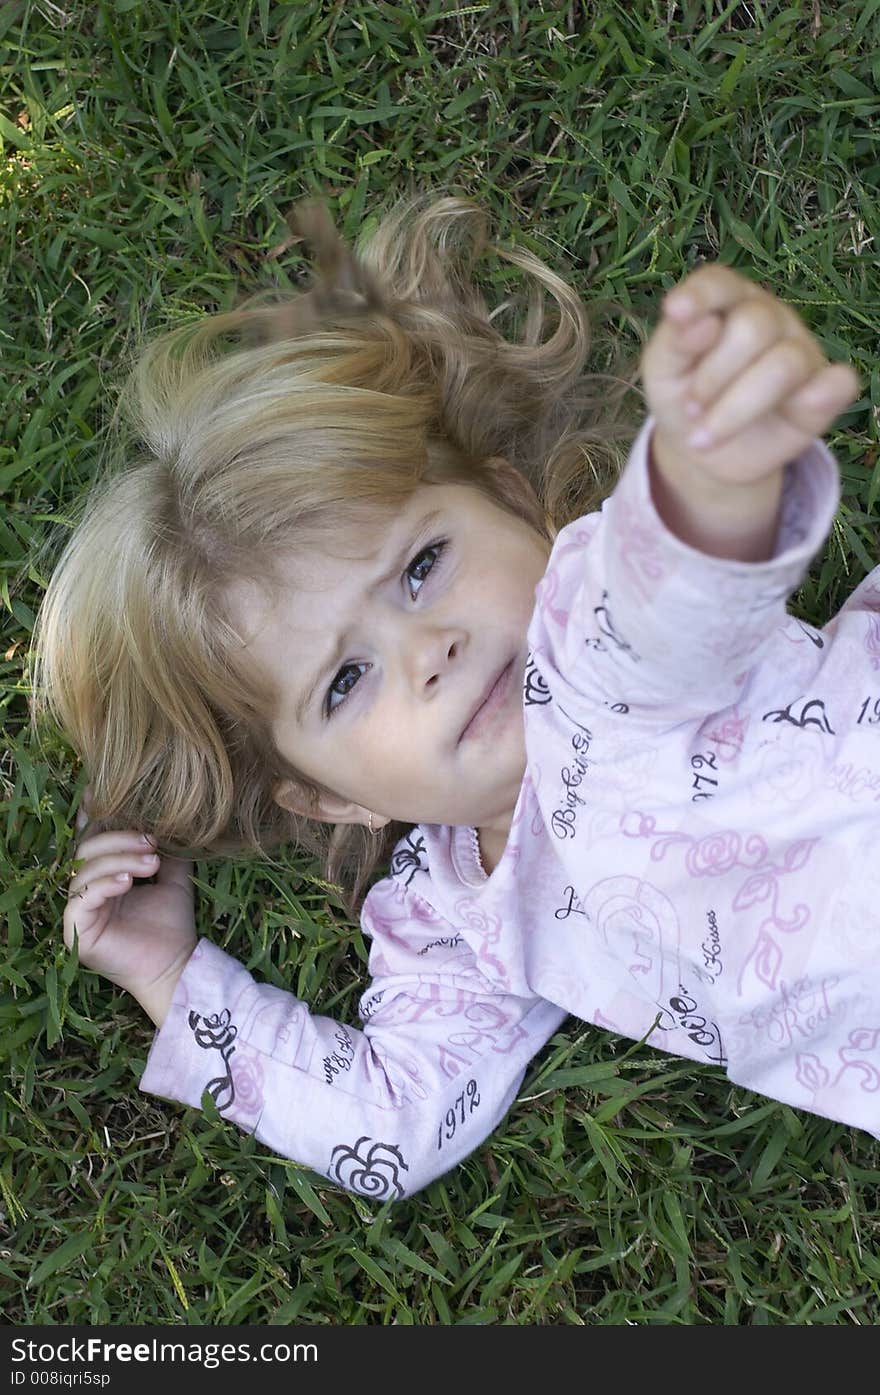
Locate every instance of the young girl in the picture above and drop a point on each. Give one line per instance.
(614, 777)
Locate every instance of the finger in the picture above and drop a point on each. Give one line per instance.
(750, 331)
(711, 288)
(675, 349)
(823, 398)
(116, 840)
(176, 871)
(135, 864)
(692, 341)
(80, 912)
(767, 385)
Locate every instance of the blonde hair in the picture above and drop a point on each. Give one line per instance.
(279, 424)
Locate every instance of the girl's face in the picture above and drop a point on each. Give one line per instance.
(381, 662)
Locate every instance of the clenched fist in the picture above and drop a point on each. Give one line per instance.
(738, 387)
(139, 937)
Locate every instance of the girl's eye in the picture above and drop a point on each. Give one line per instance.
(418, 562)
(340, 687)
(418, 572)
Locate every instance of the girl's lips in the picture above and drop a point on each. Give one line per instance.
(490, 705)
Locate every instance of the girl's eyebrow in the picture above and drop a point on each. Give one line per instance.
(413, 538)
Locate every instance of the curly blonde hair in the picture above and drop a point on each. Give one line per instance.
(276, 425)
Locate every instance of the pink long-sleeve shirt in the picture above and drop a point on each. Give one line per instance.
(693, 855)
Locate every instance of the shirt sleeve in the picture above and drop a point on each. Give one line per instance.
(382, 1111)
(634, 617)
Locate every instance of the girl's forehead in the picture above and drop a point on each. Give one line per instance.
(309, 561)
(303, 577)
(366, 528)
(361, 535)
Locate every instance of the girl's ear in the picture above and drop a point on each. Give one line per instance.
(330, 808)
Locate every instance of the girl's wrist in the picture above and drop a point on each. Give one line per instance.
(739, 522)
(156, 998)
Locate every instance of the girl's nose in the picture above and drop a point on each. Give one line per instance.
(432, 654)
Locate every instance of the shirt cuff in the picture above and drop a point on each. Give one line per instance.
(810, 498)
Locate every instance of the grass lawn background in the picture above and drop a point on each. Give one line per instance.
(150, 152)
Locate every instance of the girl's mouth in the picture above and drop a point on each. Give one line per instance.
(490, 704)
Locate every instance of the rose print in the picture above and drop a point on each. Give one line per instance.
(713, 855)
(373, 1169)
(726, 731)
(535, 690)
(217, 1033)
(248, 1075)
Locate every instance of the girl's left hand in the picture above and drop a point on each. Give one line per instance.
(138, 936)
(761, 386)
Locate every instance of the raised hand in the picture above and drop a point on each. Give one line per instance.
(735, 379)
(139, 937)
(738, 387)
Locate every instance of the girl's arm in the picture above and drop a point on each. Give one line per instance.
(660, 608)
(382, 1111)
(645, 629)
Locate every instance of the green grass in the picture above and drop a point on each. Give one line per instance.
(150, 152)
